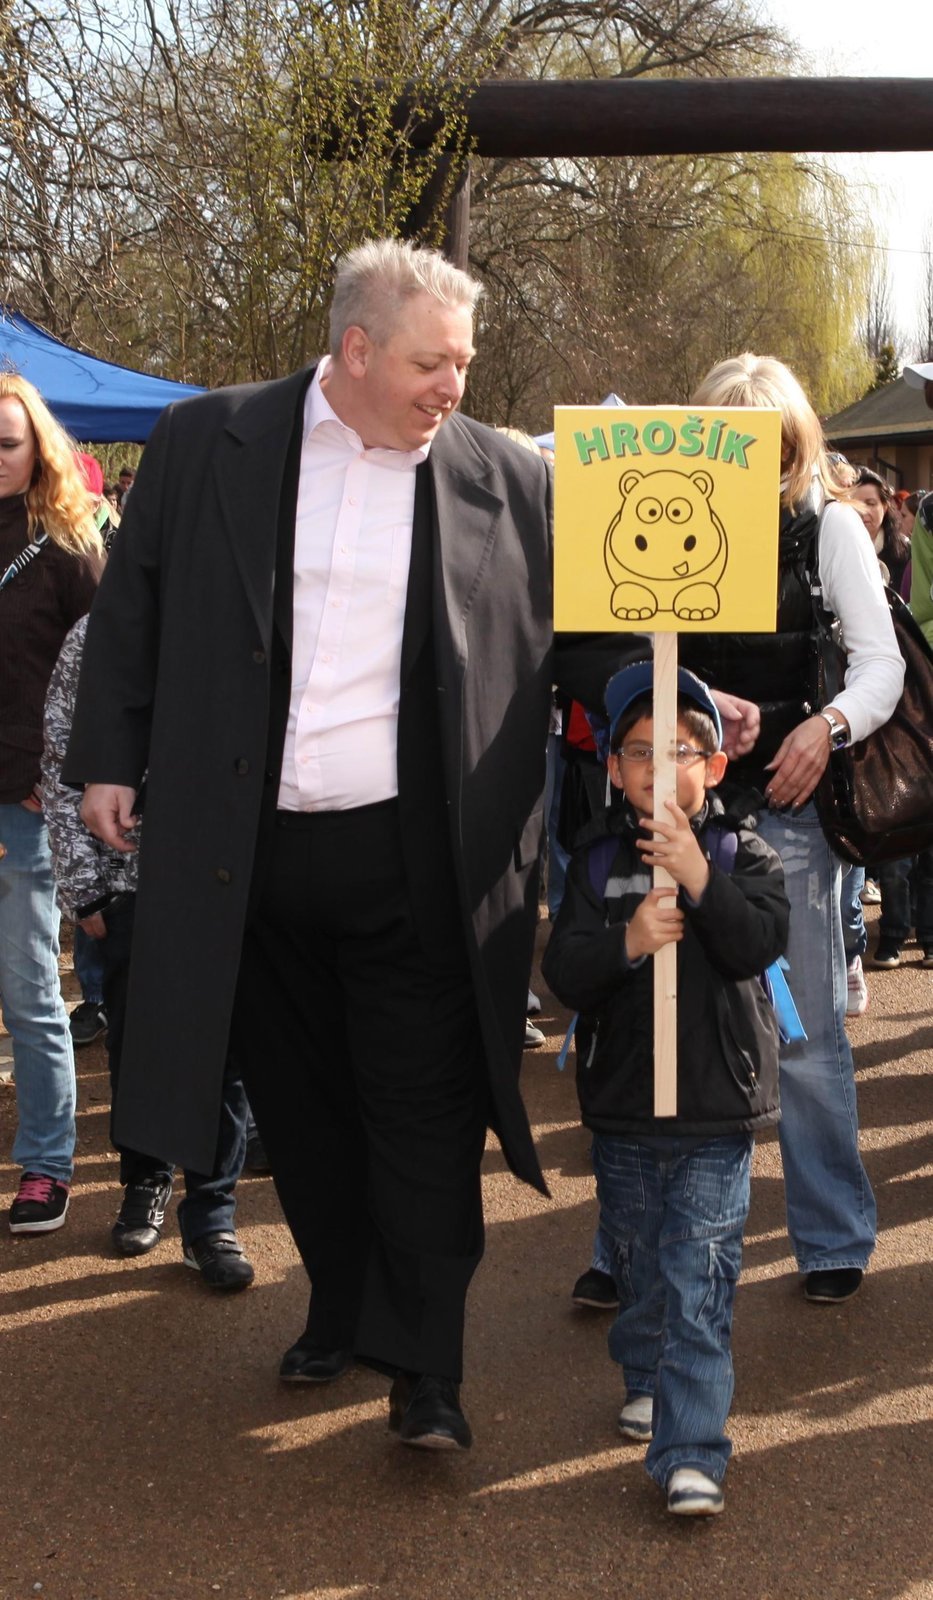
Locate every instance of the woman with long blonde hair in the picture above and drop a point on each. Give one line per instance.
(788, 740)
(50, 562)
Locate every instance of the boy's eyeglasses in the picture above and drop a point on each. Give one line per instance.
(683, 754)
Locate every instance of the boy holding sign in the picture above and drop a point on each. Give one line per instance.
(673, 1191)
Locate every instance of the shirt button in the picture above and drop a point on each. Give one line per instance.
(223, 875)
(259, 657)
(241, 767)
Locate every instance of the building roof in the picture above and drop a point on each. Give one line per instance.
(895, 412)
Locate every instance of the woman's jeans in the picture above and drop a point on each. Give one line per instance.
(31, 999)
(831, 1210)
(674, 1211)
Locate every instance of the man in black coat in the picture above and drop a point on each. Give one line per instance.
(324, 639)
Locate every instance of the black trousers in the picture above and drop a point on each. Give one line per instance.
(363, 1064)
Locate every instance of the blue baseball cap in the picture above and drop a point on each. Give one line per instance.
(632, 682)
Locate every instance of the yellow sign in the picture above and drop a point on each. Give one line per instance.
(666, 520)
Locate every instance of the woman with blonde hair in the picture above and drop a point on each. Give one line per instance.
(830, 1206)
(50, 563)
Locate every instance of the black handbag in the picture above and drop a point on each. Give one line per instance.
(875, 798)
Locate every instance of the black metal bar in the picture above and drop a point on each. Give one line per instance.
(661, 116)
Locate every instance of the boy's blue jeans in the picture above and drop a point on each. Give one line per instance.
(674, 1214)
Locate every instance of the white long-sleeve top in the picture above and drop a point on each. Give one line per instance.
(853, 591)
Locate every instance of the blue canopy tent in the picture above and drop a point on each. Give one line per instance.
(547, 439)
(96, 401)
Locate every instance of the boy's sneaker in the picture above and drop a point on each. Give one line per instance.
(220, 1260)
(533, 1036)
(138, 1227)
(692, 1494)
(635, 1418)
(596, 1290)
(857, 989)
(87, 1022)
(40, 1205)
(888, 954)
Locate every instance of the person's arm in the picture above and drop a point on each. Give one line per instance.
(743, 916)
(586, 962)
(853, 591)
(109, 742)
(921, 578)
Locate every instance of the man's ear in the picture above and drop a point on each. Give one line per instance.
(355, 347)
(716, 768)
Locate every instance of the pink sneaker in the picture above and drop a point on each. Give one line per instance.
(857, 996)
(40, 1205)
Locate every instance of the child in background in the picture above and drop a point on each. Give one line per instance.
(673, 1191)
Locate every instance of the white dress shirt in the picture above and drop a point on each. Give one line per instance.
(352, 553)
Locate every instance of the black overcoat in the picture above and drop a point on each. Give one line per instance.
(175, 682)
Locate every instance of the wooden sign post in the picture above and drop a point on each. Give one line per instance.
(665, 522)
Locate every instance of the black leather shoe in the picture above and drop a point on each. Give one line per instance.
(829, 1285)
(220, 1260)
(306, 1362)
(425, 1412)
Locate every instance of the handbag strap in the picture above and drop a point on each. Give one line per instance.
(16, 566)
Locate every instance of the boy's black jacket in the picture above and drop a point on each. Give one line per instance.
(727, 1040)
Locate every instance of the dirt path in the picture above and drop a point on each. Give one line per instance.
(149, 1451)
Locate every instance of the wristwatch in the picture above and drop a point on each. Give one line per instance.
(838, 732)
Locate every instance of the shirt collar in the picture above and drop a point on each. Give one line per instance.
(319, 413)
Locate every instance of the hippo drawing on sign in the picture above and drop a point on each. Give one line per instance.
(665, 548)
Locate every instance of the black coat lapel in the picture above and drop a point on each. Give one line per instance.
(249, 473)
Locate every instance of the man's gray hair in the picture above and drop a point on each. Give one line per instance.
(374, 282)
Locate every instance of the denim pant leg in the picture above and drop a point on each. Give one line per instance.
(831, 1210)
(31, 999)
(705, 1196)
(923, 887)
(89, 967)
(896, 920)
(209, 1205)
(854, 931)
(628, 1183)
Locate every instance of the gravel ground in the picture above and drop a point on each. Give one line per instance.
(149, 1450)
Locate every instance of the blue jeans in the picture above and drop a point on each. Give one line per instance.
(30, 995)
(674, 1212)
(89, 969)
(854, 931)
(831, 1211)
(897, 880)
(209, 1205)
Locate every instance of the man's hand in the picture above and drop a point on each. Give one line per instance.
(107, 810)
(674, 845)
(33, 801)
(741, 723)
(94, 926)
(799, 764)
(654, 925)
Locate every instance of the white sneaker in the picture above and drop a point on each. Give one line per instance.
(692, 1494)
(635, 1418)
(871, 894)
(534, 1004)
(857, 996)
(533, 1036)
